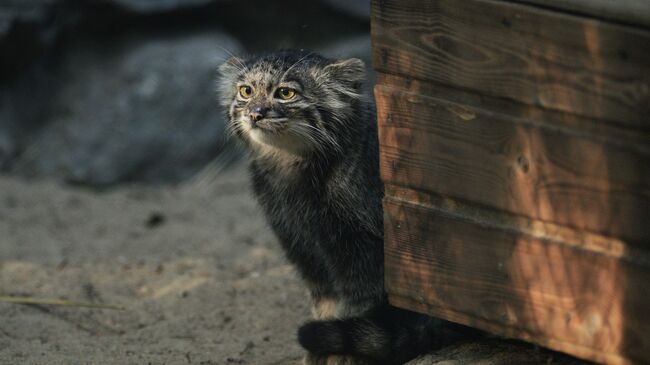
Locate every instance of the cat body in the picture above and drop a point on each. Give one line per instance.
(315, 172)
(327, 216)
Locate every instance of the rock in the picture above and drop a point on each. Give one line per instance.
(7, 149)
(37, 11)
(142, 109)
(30, 27)
(356, 8)
(23, 104)
(86, 99)
(148, 6)
(22, 11)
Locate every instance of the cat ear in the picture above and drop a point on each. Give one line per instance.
(350, 70)
(231, 67)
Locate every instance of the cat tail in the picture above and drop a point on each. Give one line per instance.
(392, 338)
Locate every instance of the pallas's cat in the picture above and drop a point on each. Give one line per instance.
(312, 138)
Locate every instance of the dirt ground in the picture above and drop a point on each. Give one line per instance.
(199, 273)
(197, 269)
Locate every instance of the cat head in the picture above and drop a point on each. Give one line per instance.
(290, 101)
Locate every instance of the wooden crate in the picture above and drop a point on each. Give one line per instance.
(515, 152)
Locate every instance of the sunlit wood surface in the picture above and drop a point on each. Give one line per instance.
(515, 151)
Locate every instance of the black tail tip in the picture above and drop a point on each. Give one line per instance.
(320, 338)
(308, 335)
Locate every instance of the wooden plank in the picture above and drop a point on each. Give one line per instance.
(570, 123)
(585, 298)
(636, 12)
(529, 167)
(524, 53)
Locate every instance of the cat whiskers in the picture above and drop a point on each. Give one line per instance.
(319, 137)
(310, 138)
(234, 128)
(242, 67)
(326, 137)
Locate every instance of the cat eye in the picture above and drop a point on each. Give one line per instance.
(285, 93)
(245, 91)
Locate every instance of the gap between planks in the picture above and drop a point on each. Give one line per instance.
(470, 103)
(501, 220)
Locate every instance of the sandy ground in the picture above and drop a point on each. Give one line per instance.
(199, 273)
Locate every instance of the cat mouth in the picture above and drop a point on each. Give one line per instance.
(269, 124)
(277, 133)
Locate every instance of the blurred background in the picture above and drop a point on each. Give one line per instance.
(104, 92)
(118, 187)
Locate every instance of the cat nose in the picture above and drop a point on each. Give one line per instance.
(258, 113)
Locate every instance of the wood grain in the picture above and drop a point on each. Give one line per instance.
(524, 166)
(450, 261)
(635, 12)
(535, 56)
(515, 151)
(574, 124)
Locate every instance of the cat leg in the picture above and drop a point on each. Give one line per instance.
(330, 307)
(326, 308)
